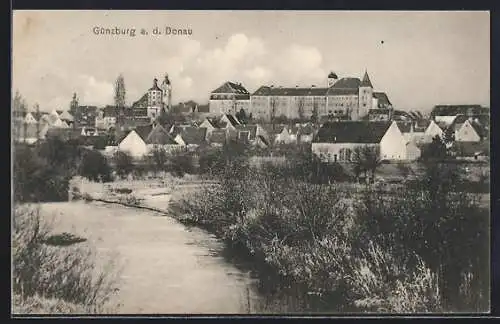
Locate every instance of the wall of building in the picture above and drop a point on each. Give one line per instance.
(467, 133)
(393, 144)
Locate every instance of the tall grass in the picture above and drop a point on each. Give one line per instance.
(47, 277)
(379, 252)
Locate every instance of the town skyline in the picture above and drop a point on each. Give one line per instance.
(420, 59)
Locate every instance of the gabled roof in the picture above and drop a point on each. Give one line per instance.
(347, 83)
(142, 102)
(143, 131)
(233, 120)
(159, 135)
(366, 81)
(230, 87)
(65, 115)
(383, 100)
(480, 130)
(308, 129)
(193, 135)
(352, 132)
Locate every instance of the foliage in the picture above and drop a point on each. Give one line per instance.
(157, 159)
(366, 159)
(180, 163)
(123, 163)
(436, 150)
(67, 274)
(95, 167)
(242, 116)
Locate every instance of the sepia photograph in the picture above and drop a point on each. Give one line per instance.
(250, 162)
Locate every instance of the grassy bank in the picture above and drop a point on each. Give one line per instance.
(415, 250)
(56, 272)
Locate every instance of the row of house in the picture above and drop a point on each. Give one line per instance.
(336, 141)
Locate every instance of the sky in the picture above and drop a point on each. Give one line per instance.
(420, 59)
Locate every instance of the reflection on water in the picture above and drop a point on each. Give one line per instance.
(168, 268)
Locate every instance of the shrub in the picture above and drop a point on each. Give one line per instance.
(95, 167)
(66, 274)
(123, 163)
(181, 163)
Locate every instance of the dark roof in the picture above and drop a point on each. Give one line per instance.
(342, 91)
(193, 135)
(383, 100)
(296, 91)
(451, 110)
(142, 102)
(232, 120)
(352, 132)
(111, 111)
(405, 126)
(159, 135)
(217, 136)
(203, 108)
(332, 75)
(347, 83)
(471, 148)
(64, 133)
(143, 131)
(230, 87)
(480, 130)
(366, 81)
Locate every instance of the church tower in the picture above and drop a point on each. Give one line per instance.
(154, 100)
(365, 96)
(332, 78)
(166, 88)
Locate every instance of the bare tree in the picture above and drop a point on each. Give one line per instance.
(300, 107)
(315, 113)
(273, 103)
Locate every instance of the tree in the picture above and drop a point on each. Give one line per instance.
(449, 135)
(37, 112)
(157, 159)
(435, 150)
(95, 167)
(300, 108)
(273, 102)
(315, 113)
(120, 92)
(242, 116)
(123, 163)
(366, 158)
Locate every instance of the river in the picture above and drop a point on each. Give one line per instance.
(167, 268)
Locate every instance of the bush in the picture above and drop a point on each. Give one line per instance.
(67, 274)
(181, 163)
(123, 163)
(35, 179)
(95, 167)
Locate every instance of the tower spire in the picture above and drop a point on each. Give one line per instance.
(366, 80)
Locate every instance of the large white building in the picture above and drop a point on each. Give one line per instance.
(154, 100)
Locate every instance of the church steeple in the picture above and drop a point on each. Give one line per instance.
(366, 81)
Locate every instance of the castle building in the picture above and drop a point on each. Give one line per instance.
(347, 98)
(229, 98)
(154, 100)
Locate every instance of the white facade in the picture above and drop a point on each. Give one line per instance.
(431, 131)
(467, 133)
(393, 144)
(134, 145)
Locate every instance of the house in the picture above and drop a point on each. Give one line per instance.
(471, 150)
(453, 110)
(217, 137)
(66, 117)
(191, 137)
(432, 131)
(305, 134)
(107, 117)
(288, 135)
(229, 98)
(30, 119)
(89, 131)
(160, 138)
(135, 141)
(225, 122)
(469, 131)
(336, 141)
(31, 133)
(413, 131)
(252, 134)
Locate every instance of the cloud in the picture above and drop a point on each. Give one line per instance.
(95, 92)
